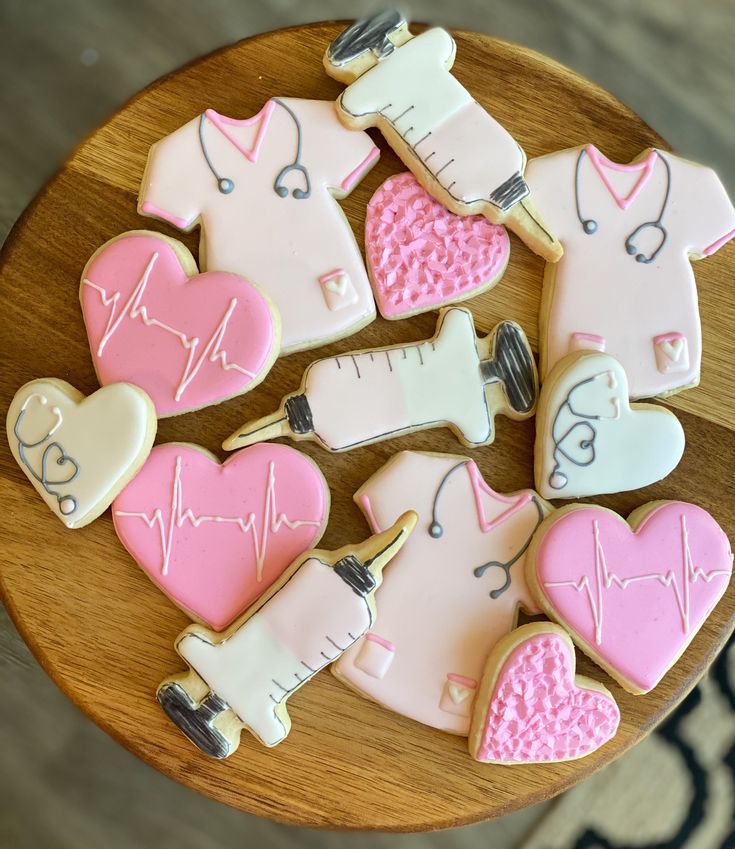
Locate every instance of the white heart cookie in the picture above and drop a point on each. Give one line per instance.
(79, 452)
(590, 440)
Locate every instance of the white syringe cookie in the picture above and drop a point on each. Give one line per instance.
(243, 678)
(460, 154)
(591, 440)
(453, 380)
(79, 452)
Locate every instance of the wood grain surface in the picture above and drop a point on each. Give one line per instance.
(101, 629)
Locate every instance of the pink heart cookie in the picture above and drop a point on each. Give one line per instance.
(421, 256)
(215, 537)
(633, 594)
(188, 339)
(532, 709)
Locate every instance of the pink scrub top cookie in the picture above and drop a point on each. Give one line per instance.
(453, 592)
(263, 191)
(625, 284)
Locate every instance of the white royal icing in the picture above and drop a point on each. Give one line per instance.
(79, 452)
(591, 440)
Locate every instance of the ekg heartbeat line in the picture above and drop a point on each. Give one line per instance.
(133, 309)
(604, 578)
(272, 520)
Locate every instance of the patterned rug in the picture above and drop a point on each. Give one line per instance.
(675, 790)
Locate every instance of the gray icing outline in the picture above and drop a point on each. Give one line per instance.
(590, 225)
(479, 571)
(295, 165)
(61, 460)
(436, 531)
(584, 421)
(226, 185)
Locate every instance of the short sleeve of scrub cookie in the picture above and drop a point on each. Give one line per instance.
(704, 213)
(176, 179)
(385, 496)
(550, 179)
(344, 155)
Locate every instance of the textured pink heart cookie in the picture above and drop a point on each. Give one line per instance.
(188, 339)
(421, 256)
(532, 709)
(215, 537)
(632, 594)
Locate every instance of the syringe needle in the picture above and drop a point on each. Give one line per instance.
(269, 427)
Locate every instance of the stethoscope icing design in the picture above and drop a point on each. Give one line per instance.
(67, 503)
(582, 430)
(590, 225)
(226, 185)
(436, 531)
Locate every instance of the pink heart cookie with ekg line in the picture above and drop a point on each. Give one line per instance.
(214, 537)
(421, 256)
(187, 339)
(632, 594)
(532, 709)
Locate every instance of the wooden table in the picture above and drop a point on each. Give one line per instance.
(101, 629)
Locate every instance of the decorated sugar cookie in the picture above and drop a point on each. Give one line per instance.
(531, 708)
(455, 589)
(454, 380)
(634, 593)
(244, 678)
(421, 256)
(214, 537)
(626, 285)
(77, 451)
(188, 339)
(590, 440)
(264, 191)
(460, 154)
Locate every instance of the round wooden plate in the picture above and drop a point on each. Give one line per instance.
(103, 631)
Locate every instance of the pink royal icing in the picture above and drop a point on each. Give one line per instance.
(215, 537)
(260, 121)
(635, 599)
(386, 644)
(644, 169)
(421, 255)
(537, 712)
(188, 341)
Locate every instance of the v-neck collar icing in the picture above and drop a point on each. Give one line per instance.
(644, 166)
(262, 119)
(514, 502)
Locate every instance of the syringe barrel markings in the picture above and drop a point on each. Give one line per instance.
(357, 398)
